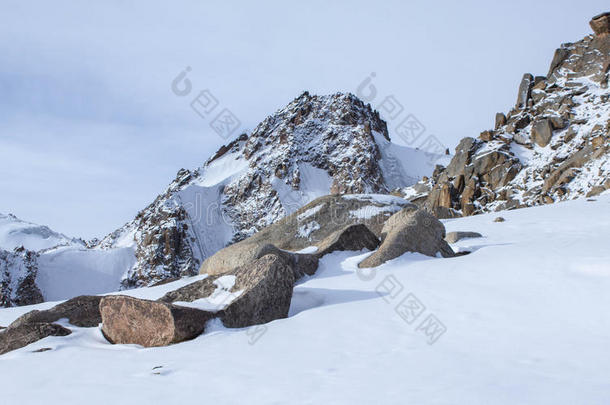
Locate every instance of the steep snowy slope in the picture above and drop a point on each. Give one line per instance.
(521, 320)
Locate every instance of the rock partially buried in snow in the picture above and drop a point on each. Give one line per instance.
(80, 311)
(499, 219)
(266, 286)
(18, 336)
(453, 237)
(127, 320)
(410, 231)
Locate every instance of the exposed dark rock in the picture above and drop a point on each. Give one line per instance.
(80, 311)
(267, 285)
(18, 271)
(18, 336)
(352, 237)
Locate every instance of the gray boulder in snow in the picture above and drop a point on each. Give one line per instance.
(410, 231)
(266, 286)
(324, 223)
(453, 237)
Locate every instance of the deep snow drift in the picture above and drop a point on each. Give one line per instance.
(523, 319)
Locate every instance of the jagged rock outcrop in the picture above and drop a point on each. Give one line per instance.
(316, 145)
(18, 278)
(552, 146)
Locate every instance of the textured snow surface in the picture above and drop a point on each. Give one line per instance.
(526, 317)
(15, 232)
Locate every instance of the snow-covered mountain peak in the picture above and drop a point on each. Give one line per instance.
(15, 233)
(316, 145)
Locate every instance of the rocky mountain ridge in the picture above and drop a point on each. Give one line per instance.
(554, 145)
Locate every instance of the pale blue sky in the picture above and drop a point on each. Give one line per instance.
(90, 131)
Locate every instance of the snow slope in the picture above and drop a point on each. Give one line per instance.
(525, 316)
(15, 232)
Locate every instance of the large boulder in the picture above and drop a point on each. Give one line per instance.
(21, 335)
(127, 320)
(316, 224)
(266, 292)
(410, 231)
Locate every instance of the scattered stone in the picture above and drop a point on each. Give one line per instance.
(127, 320)
(499, 219)
(18, 336)
(453, 237)
(410, 231)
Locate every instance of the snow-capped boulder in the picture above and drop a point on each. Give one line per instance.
(410, 230)
(554, 145)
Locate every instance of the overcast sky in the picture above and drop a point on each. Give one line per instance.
(90, 131)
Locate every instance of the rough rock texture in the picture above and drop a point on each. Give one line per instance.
(316, 145)
(311, 226)
(18, 336)
(453, 237)
(554, 145)
(18, 278)
(601, 24)
(410, 230)
(127, 320)
(267, 285)
(80, 311)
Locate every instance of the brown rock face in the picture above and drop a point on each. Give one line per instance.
(127, 320)
(410, 231)
(601, 24)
